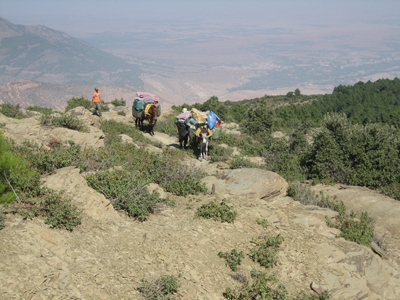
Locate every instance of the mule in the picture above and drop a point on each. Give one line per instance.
(151, 118)
(203, 143)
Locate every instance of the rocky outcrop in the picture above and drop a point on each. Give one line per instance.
(262, 184)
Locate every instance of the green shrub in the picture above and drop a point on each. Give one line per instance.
(229, 139)
(112, 127)
(11, 110)
(42, 110)
(76, 102)
(184, 186)
(59, 212)
(302, 193)
(262, 286)
(220, 153)
(161, 288)
(354, 154)
(232, 259)
(217, 211)
(17, 178)
(165, 169)
(391, 190)
(239, 162)
(167, 126)
(359, 231)
(354, 230)
(64, 120)
(265, 250)
(126, 191)
(263, 223)
(120, 102)
(48, 159)
(121, 113)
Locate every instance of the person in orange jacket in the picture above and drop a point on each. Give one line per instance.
(96, 99)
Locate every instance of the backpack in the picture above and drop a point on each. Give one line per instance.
(138, 104)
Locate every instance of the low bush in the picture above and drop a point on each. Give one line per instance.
(355, 230)
(76, 102)
(126, 191)
(59, 212)
(162, 288)
(64, 120)
(121, 113)
(232, 259)
(392, 190)
(352, 229)
(11, 110)
(184, 186)
(220, 153)
(42, 110)
(239, 162)
(265, 250)
(217, 211)
(46, 160)
(261, 286)
(112, 127)
(18, 180)
(167, 126)
(263, 223)
(120, 102)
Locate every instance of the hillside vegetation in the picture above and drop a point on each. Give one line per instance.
(350, 136)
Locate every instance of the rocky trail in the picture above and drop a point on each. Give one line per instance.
(108, 254)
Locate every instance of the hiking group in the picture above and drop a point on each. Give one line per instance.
(196, 128)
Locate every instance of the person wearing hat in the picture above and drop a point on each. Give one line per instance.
(96, 99)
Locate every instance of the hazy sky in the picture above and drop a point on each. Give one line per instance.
(275, 43)
(81, 18)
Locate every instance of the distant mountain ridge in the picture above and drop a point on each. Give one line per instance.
(41, 54)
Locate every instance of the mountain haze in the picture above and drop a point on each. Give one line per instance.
(42, 54)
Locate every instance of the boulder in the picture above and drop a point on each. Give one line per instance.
(252, 183)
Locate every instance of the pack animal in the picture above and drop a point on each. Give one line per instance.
(203, 143)
(151, 117)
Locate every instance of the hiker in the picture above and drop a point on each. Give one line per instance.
(96, 99)
(182, 128)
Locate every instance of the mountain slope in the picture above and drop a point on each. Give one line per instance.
(108, 254)
(42, 54)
